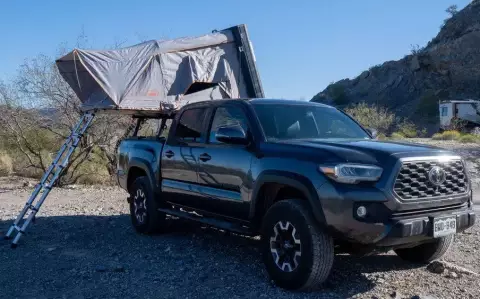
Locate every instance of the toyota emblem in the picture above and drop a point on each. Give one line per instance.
(437, 175)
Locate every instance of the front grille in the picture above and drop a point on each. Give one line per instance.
(413, 183)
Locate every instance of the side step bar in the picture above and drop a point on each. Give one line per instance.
(214, 222)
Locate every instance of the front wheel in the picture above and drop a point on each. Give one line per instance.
(144, 212)
(297, 253)
(427, 252)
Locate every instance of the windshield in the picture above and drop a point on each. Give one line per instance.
(286, 121)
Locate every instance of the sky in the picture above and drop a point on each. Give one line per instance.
(300, 46)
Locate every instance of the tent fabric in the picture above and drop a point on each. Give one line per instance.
(155, 75)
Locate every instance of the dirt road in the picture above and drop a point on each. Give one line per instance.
(82, 246)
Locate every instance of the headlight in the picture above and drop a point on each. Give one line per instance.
(352, 173)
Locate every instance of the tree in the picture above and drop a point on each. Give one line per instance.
(452, 10)
(39, 110)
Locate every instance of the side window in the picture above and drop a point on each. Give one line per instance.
(225, 117)
(444, 111)
(190, 125)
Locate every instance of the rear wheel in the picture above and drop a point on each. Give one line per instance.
(144, 212)
(297, 253)
(427, 252)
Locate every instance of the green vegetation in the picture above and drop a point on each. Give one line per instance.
(469, 138)
(457, 136)
(372, 116)
(397, 135)
(407, 129)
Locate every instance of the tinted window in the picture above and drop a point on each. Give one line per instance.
(227, 116)
(189, 127)
(282, 121)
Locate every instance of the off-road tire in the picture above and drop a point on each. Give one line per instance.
(317, 248)
(154, 221)
(427, 252)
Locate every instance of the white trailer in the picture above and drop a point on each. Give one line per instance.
(467, 111)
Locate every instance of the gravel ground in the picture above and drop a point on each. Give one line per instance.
(82, 246)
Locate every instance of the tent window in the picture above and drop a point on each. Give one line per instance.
(199, 86)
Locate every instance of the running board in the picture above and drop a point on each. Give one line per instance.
(214, 222)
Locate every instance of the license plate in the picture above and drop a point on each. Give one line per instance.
(444, 226)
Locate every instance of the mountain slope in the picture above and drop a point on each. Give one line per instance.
(447, 68)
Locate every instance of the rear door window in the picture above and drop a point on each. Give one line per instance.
(190, 126)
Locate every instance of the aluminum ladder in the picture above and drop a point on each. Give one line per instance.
(53, 173)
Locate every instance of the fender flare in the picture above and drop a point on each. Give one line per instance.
(293, 180)
(144, 165)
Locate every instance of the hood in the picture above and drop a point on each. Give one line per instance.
(364, 151)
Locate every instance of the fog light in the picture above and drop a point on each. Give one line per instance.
(361, 211)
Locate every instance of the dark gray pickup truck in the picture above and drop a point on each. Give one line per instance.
(304, 176)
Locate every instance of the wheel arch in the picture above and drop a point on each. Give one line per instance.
(268, 189)
(140, 167)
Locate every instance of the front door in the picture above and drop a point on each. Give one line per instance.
(224, 169)
(179, 160)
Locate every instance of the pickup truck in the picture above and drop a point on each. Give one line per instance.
(305, 177)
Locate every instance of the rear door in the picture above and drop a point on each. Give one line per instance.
(179, 157)
(224, 169)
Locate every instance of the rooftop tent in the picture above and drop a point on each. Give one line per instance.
(161, 76)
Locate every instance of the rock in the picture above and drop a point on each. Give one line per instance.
(27, 184)
(452, 274)
(436, 267)
(457, 269)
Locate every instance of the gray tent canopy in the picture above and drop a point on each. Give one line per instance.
(161, 76)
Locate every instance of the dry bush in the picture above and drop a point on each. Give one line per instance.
(397, 135)
(469, 138)
(407, 129)
(6, 164)
(371, 116)
(35, 129)
(447, 135)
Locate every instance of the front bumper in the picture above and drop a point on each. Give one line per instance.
(421, 228)
(384, 226)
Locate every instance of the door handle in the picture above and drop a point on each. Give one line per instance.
(169, 154)
(205, 157)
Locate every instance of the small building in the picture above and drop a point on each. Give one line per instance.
(467, 111)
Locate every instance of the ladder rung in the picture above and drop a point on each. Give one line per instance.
(18, 229)
(31, 207)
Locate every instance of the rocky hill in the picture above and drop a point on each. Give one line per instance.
(448, 67)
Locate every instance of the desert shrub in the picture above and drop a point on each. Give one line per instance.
(468, 138)
(407, 129)
(6, 164)
(423, 132)
(447, 135)
(397, 135)
(381, 136)
(371, 116)
(451, 135)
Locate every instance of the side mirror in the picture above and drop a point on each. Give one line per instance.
(373, 133)
(232, 135)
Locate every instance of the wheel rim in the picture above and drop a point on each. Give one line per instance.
(140, 206)
(285, 247)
